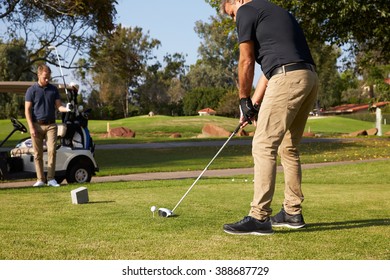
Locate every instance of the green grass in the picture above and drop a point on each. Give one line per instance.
(334, 125)
(127, 161)
(160, 128)
(347, 210)
(347, 207)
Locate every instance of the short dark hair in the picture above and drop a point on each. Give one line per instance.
(43, 68)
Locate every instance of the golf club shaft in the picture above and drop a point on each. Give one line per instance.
(62, 74)
(204, 170)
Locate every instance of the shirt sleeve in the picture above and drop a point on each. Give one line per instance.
(28, 97)
(246, 22)
(56, 93)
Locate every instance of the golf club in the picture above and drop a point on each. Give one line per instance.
(62, 74)
(165, 212)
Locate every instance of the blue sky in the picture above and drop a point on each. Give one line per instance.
(172, 22)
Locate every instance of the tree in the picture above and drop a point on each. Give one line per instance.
(13, 61)
(162, 90)
(13, 57)
(360, 27)
(227, 106)
(117, 64)
(375, 78)
(325, 57)
(374, 72)
(10, 106)
(351, 87)
(217, 66)
(41, 23)
(200, 98)
(359, 23)
(98, 15)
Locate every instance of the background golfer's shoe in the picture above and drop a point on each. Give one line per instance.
(250, 225)
(283, 219)
(53, 183)
(39, 184)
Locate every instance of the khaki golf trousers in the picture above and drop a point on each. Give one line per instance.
(49, 133)
(281, 122)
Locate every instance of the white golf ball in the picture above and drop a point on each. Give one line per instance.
(153, 208)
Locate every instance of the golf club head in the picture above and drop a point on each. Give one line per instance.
(165, 212)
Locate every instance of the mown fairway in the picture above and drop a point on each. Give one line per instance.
(347, 210)
(160, 128)
(347, 207)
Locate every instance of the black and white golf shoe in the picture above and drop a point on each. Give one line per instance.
(283, 219)
(249, 225)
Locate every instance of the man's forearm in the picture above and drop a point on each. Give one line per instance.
(246, 69)
(245, 78)
(27, 113)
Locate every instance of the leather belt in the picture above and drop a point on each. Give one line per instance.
(292, 67)
(45, 122)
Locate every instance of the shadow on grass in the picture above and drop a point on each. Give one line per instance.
(340, 225)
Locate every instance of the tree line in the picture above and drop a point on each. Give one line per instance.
(121, 77)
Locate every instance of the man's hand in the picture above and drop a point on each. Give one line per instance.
(32, 131)
(248, 111)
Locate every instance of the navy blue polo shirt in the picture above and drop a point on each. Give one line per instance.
(277, 36)
(43, 101)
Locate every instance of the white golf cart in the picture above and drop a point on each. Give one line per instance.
(75, 160)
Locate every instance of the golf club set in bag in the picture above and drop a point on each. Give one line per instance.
(165, 212)
(77, 117)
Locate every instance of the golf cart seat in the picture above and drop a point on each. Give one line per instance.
(26, 146)
(17, 152)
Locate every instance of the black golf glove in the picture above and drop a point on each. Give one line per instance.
(247, 109)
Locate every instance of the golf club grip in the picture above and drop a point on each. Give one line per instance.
(237, 129)
(205, 169)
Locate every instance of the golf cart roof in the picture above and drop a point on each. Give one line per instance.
(20, 87)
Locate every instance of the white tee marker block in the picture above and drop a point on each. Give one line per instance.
(79, 195)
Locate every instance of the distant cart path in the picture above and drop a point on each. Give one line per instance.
(184, 174)
(235, 142)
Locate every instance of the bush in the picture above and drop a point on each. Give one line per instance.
(200, 98)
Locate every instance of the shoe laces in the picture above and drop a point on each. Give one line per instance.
(245, 220)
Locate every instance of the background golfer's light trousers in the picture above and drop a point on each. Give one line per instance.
(281, 122)
(49, 133)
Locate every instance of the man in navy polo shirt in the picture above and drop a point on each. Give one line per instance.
(283, 98)
(41, 101)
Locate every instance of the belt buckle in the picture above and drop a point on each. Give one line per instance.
(284, 69)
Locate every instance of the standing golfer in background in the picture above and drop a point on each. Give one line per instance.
(41, 101)
(283, 98)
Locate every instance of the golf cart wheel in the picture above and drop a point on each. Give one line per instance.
(79, 173)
